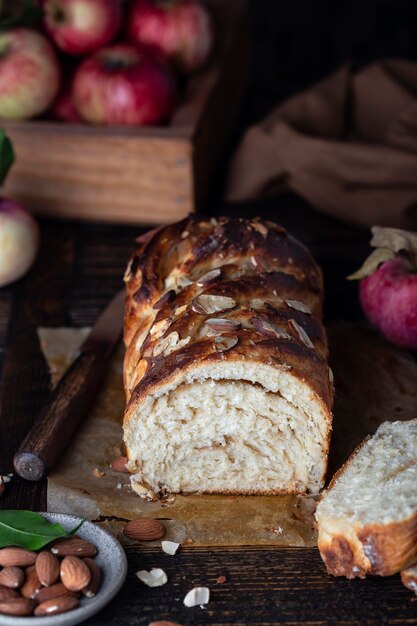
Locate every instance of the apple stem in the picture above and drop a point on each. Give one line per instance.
(6, 155)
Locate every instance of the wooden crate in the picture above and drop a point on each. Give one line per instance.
(150, 174)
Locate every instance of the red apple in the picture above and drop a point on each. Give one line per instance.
(123, 85)
(82, 26)
(389, 299)
(181, 30)
(29, 74)
(63, 108)
(19, 241)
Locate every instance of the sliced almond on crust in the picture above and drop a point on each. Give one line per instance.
(302, 335)
(158, 329)
(170, 344)
(297, 305)
(206, 304)
(208, 277)
(265, 327)
(260, 228)
(223, 343)
(222, 325)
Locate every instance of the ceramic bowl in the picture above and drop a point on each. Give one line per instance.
(112, 560)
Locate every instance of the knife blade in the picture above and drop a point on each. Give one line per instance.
(69, 401)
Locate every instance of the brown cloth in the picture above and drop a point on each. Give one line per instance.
(348, 146)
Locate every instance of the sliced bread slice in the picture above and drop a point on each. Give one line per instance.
(367, 519)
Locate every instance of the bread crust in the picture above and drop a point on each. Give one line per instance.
(409, 578)
(260, 268)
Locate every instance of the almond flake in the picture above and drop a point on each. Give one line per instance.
(260, 228)
(223, 344)
(298, 306)
(256, 304)
(170, 344)
(170, 547)
(128, 273)
(331, 376)
(222, 325)
(301, 334)
(208, 277)
(6, 479)
(184, 234)
(98, 473)
(197, 597)
(155, 578)
(266, 327)
(158, 329)
(180, 310)
(206, 304)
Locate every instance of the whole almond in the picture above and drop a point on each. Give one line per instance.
(144, 529)
(32, 583)
(74, 547)
(119, 465)
(95, 581)
(7, 594)
(16, 557)
(57, 605)
(74, 573)
(17, 606)
(12, 577)
(47, 568)
(55, 591)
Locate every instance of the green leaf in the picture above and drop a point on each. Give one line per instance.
(374, 260)
(6, 155)
(29, 530)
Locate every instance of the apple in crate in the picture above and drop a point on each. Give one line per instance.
(29, 74)
(388, 285)
(82, 26)
(181, 30)
(124, 85)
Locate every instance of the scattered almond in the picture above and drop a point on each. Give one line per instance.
(74, 573)
(54, 591)
(7, 594)
(98, 473)
(222, 325)
(56, 606)
(18, 557)
(47, 568)
(12, 577)
(221, 580)
(17, 606)
(95, 580)
(32, 583)
(197, 596)
(119, 465)
(265, 327)
(144, 529)
(208, 277)
(155, 578)
(74, 547)
(170, 547)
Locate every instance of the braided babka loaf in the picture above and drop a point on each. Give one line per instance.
(226, 376)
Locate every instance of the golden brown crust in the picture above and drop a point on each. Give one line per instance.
(381, 549)
(265, 274)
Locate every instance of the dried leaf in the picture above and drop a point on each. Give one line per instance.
(394, 239)
(374, 260)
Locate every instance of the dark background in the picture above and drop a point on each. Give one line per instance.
(297, 42)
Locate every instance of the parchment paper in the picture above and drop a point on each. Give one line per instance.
(374, 382)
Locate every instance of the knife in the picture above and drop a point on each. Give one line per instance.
(71, 398)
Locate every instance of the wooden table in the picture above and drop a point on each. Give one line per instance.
(78, 270)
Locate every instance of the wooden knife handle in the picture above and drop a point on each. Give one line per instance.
(66, 407)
